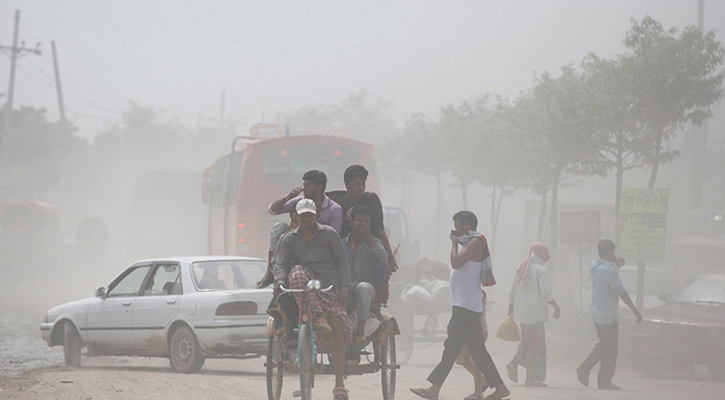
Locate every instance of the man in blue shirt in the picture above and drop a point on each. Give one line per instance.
(607, 289)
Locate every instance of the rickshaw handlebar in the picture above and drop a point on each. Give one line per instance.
(305, 290)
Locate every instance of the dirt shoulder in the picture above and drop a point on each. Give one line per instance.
(135, 378)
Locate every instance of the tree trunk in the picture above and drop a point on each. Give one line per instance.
(617, 199)
(542, 216)
(494, 225)
(494, 221)
(655, 165)
(439, 201)
(554, 219)
(493, 212)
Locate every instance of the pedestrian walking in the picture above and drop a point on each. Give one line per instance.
(471, 268)
(528, 304)
(607, 289)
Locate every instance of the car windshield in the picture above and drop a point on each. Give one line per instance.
(655, 282)
(226, 275)
(702, 289)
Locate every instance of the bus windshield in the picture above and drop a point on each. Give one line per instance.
(285, 166)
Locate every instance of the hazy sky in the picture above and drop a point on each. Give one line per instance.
(278, 55)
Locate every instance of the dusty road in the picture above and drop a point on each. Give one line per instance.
(144, 378)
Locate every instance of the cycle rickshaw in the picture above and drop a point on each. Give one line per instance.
(307, 361)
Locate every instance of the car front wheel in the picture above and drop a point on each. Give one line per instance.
(185, 353)
(72, 345)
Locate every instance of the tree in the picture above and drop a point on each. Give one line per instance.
(676, 81)
(610, 109)
(559, 147)
(479, 146)
(641, 100)
(42, 153)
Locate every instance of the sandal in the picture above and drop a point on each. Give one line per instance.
(359, 341)
(421, 392)
(474, 397)
(535, 383)
(340, 393)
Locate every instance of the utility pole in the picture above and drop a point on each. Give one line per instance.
(15, 51)
(61, 107)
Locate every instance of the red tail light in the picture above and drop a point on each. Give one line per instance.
(237, 308)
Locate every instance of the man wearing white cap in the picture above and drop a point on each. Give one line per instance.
(313, 250)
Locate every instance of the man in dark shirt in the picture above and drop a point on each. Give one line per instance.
(355, 177)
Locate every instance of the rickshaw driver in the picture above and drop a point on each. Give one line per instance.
(313, 250)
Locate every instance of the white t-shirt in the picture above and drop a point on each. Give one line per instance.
(466, 286)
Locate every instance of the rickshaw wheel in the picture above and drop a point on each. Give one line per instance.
(275, 367)
(306, 361)
(388, 367)
(430, 326)
(407, 338)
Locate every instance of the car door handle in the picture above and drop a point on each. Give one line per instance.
(172, 301)
(127, 303)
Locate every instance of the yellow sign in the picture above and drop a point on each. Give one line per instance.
(642, 224)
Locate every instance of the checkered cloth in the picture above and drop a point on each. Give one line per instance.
(321, 304)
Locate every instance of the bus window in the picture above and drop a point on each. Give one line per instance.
(223, 185)
(284, 166)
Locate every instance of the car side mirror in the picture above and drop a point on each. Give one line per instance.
(101, 292)
(664, 296)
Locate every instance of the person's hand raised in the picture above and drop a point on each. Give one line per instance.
(294, 193)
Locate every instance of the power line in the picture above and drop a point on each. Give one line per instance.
(73, 95)
(81, 86)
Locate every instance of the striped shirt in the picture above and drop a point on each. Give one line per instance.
(368, 264)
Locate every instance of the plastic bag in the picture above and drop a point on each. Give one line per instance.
(415, 294)
(509, 330)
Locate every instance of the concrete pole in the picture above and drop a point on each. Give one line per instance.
(59, 90)
(5, 143)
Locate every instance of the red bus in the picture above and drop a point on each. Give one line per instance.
(241, 184)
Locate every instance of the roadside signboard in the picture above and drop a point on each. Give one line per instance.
(580, 227)
(642, 224)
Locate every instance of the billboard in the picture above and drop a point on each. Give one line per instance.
(580, 227)
(642, 224)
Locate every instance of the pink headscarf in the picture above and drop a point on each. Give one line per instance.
(539, 253)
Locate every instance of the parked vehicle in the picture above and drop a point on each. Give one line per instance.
(186, 309)
(688, 329)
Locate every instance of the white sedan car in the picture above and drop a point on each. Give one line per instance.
(186, 309)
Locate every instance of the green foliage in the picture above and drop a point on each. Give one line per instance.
(41, 154)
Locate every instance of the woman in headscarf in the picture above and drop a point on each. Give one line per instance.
(528, 300)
